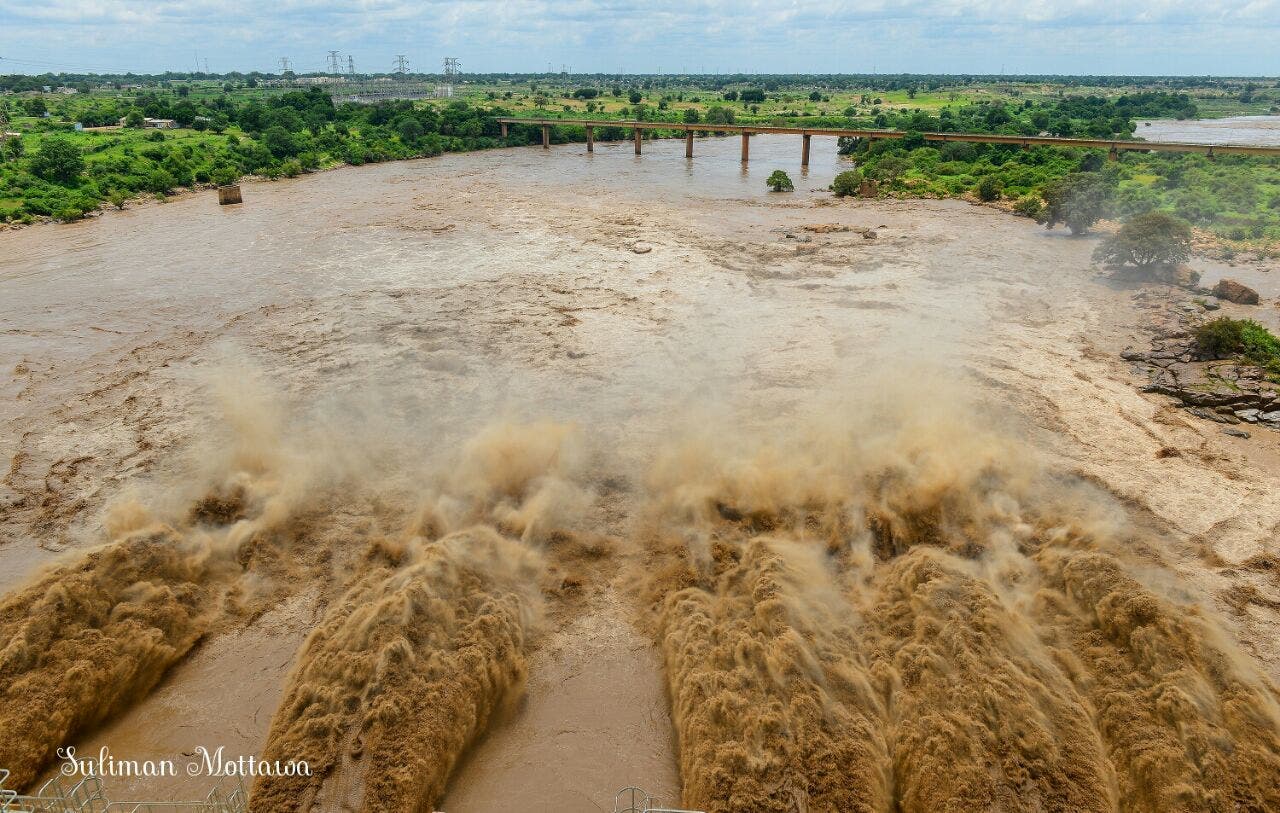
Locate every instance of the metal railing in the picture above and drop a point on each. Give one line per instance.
(88, 796)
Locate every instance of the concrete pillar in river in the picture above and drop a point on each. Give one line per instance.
(636, 130)
(504, 129)
(804, 151)
(688, 143)
(546, 136)
(591, 138)
(746, 145)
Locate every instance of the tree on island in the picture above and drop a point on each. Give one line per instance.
(1078, 200)
(1147, 240)
(779, 181)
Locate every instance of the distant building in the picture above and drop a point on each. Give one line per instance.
(299, 81)
(153, 124)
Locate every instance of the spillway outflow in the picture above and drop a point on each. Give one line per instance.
(922, 618)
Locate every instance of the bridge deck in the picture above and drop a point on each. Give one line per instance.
(1111, 145)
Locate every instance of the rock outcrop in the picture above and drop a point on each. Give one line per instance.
(1233, 291)
(1228, 390)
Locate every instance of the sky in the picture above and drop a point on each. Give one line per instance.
(1219, 37)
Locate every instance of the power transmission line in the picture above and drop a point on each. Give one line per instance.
(284, 64)
(402, 65)
(452, 67)
(351, 65)
(333, 63)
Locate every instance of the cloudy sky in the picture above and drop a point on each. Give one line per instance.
(1232, 37)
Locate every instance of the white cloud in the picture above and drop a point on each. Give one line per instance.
(1233, 36)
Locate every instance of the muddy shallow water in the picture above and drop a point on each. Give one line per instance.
(400, 308)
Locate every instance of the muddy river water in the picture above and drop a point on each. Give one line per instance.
(1256, 130)
(370, 320)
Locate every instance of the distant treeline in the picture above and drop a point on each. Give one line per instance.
(19, 83)
(1080, 116)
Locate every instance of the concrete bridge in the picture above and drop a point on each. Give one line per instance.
(1113, 147)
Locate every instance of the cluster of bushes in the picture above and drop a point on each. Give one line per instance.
(67, 175)
(1245, 338)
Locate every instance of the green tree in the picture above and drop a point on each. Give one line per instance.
(691, 115)
(635, 97)
(1151, 239)
(14, 148)
(279, 141)
(1029, 206)
(719, 115)
(847, 183)
(225, 174)
(1078, 200)
(889, 168)
(134, 119)
(779, 181)
(989, 187)
(58, 160)
(409, 129)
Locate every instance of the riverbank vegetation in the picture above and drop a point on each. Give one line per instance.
(65, 173)
(239, 125)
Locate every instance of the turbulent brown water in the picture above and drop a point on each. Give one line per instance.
(419, 472)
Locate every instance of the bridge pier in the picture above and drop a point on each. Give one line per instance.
(688, 143)
(546, 136)
(636, 130)
(591, 139)
(504, 129)
(746, 146)
(804, 150)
